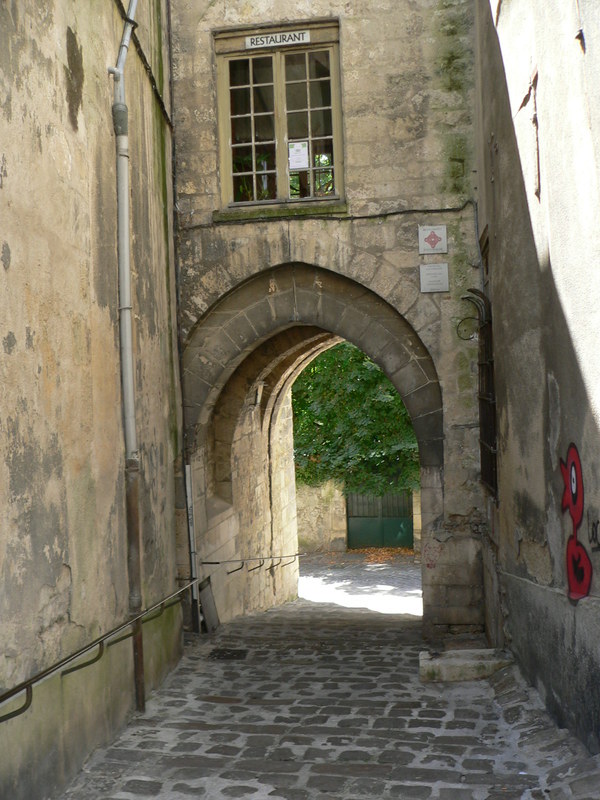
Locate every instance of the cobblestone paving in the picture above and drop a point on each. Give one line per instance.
(320, 701)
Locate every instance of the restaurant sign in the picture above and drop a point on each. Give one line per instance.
(277, 39)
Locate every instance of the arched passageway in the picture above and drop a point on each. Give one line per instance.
(238, 365)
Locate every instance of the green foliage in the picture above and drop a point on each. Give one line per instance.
(350, 424)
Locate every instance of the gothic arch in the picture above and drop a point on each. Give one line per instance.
(283, 315)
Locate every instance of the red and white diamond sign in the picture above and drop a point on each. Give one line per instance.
(432, 239)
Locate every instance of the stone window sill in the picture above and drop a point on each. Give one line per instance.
(280, 211)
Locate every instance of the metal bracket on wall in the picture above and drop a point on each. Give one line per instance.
(481, 302)
(258, 566)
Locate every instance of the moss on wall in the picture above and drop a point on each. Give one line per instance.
(455, 55)
(457, 159)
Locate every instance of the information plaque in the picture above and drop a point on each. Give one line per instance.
(434, 278)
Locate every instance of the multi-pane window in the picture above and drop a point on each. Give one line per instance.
(252, 99)
(280, 126)
(309, 124)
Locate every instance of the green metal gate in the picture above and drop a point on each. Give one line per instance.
(380, 521)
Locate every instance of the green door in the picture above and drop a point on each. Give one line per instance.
(380, 521)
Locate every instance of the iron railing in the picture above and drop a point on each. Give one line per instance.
(112, 637)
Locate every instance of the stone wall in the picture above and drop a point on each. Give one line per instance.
(322, 524)
(407, 91)
(250, 514)
(63, 559)
(539, 198)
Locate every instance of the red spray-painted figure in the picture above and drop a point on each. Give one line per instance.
(579, 566)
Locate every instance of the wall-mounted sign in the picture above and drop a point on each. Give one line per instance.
(432, 239)
(277, 39)
(298, 155)
(434, 278)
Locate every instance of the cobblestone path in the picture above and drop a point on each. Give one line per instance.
(320, 701)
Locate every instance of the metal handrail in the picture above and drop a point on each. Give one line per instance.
(27, 685)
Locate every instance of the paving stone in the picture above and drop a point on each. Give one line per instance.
(146, 788)
(239, 791)
(185, 788)
(410, 792)
(328, 704)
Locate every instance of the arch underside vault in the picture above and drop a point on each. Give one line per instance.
(238, 365)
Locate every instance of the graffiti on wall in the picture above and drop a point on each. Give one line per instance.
(579, 565)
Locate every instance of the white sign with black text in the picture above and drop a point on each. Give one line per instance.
(298, 155)
(434, 278)
(277, 39)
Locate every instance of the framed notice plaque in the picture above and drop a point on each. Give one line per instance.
(432, 239)
(434, 278)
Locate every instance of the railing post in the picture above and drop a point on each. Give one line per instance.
(138, 666)
(134, 564)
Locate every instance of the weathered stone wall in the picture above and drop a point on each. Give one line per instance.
(406, 83)
(258, 526)
(63, 564)
(538, 140)
(322, 524)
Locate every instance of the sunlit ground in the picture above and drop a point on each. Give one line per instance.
(399, 595)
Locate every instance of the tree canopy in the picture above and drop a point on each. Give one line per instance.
(350, 424)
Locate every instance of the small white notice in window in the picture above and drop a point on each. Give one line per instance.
(434, 278)
(298, 155)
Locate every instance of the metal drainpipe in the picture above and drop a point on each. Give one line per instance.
(132, 458)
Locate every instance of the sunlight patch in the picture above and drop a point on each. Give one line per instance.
(378, 598)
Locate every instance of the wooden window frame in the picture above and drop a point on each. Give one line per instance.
(230, 46)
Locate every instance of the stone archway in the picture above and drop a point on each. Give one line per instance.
(238, 364)
(298, 295)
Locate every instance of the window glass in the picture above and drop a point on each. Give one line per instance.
(266, 187)
(323, 152)
(319, 64)
(280, 125)
(263, 99)
(264, 127)
(242, 159)
(239, 72)
(296, 96)
(262, 70)
(321, 123)
(241, 130)
(240, 101)
(243, 188)
(323, 182)
(295, 67)
(298, 125)
(265, 157)
(299, 184)
(320, 94)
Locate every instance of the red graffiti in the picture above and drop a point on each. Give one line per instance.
(579, 566)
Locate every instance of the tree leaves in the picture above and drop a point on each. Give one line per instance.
(351, 425)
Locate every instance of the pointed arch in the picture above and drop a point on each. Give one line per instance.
(284, 314)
